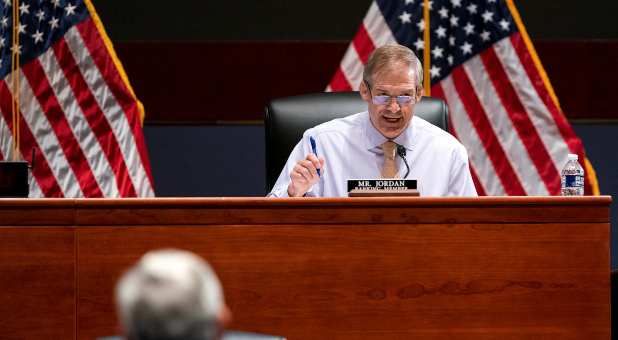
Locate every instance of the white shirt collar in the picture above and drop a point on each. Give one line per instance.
(373, 137)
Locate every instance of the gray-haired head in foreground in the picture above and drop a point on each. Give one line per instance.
(389, 56)
(169, 295)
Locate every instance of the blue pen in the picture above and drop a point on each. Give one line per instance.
(314, 148)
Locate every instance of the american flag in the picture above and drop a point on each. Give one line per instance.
(76, 108)
(482, 63)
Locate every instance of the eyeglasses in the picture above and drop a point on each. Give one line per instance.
(385, 100)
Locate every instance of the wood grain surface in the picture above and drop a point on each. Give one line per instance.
(37, 283)
(369, 268)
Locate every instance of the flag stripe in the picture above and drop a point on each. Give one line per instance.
(96, 50)
(540, 115)
(109, 49)
(468, 136)
(42, 171)
(478, 116)
(352, 68)
(438, 92)
(99, 131)
(120, 110)
(377, 28)
(50, 145)
(78, 123)
(34, 189)
(137, 161)
(503, 127)
(340, 82)
(477, 183)
(522, 123)
(374, 32)
(531, 51)
(561, 122)
(6, 137)
(363, 44)
(525, 50)
(43, 92)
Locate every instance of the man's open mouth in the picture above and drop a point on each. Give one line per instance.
(392, 119)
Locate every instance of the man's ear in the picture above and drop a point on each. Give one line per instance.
(420, 93)
(364, 92)
(224, 317)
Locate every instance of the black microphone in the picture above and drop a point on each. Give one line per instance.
(401, 151)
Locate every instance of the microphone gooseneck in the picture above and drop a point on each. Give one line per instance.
(401, 151)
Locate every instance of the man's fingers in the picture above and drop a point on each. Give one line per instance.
(304, 174)
(317, 164)
(303, 171)
(297, 176)
(309, 166)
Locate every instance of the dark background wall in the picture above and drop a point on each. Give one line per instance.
(228, 160)
(319, 19)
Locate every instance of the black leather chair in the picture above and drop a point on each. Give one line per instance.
(287, 119)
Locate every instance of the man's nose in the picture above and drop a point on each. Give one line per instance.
(393, 105)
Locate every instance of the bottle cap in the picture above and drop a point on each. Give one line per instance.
(572, 157)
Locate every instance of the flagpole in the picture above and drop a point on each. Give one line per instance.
(15, 81)
(426, 50)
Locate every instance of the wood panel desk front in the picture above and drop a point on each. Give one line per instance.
(365, 268)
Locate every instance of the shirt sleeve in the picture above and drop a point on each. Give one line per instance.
(300, 151)
(460, 182)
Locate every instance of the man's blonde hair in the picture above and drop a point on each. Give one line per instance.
(389, 55)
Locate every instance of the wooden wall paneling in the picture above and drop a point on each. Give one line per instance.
(587, 63)
(259, 210)
(37, 283)
(36, 212)
(200, 77)
(377, 278)
(225, 80)
(468, 281)
(512, 267)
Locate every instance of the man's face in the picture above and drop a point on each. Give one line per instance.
(392, 118)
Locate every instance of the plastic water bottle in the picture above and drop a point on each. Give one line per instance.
(572, 179)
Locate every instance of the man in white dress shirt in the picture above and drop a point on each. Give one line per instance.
(359, 146)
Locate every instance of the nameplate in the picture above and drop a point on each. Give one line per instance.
(382, 187)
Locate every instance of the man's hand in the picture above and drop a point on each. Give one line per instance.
(304, 175)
